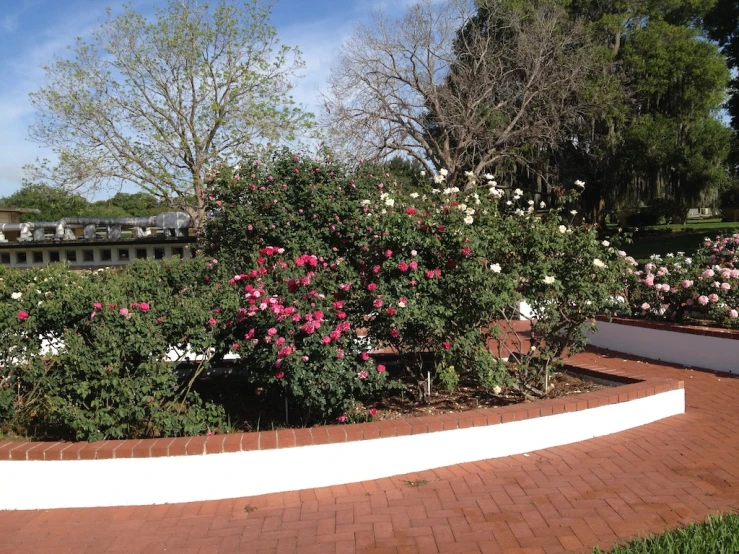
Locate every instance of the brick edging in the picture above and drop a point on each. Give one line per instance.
(290, 438)
(718, 332)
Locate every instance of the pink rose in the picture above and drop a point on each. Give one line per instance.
(645, 306)
(687, 284)
(371, 287)
(372, 412)
(123, 311)
(733, 314)
(702, 300)
(388, 253)
(212, 322)
(22, 315)
(365, 356)
(414, 253)
(279, 374)
(713, 298)
(362, 374)
(271, 331)
(97, 306)
(381, 368)
(341, 419)
(377, 303)
(144, 306)
(725, 286)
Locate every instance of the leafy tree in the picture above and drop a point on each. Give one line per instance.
(137, 204)
(722, 23)
(52, 203)
(156, 103)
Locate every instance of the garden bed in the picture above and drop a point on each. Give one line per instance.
(230, 390)
(702, 347)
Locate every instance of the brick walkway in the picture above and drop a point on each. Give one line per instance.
(564, 499)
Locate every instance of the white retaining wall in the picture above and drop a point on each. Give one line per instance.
(27, 485)
(698, 351)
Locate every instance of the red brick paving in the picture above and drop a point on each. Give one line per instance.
(563, 499)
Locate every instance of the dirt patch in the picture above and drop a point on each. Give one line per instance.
(246, 413)
(469, 396)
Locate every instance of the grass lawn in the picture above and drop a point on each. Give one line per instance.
(661, 239)
(718, 535)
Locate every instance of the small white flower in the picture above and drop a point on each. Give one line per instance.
(494, 192)
(468, 220)
(531, 202)
(438, 179)
(414, 195)
(443, 172)
(423, 174)
(401, 304)
(389, 202)
(497, 389)
(489, 177)
(495, 268)
(435, 191)
(470, 211)
(462, 207)
(562, 229)
(518, 211)
(542, 204)
(455, 189)
(580, 184)
(606, 243)
(16, 295)
(548, 279)
(573, 212)
(384, 195)
(518, 192)
(509, 203)
(365, 202)
(530, 210)
(598, 263)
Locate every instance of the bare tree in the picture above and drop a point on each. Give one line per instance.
(461, 87)
(157, 102)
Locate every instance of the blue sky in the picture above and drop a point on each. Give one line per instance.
(33, 32)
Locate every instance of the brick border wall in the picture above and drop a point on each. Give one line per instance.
(718, 332)
(289, 438)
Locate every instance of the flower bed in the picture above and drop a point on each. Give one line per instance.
(695, 346)
(152, 471)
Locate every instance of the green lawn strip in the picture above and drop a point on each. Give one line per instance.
(664, 239)
(719, 534)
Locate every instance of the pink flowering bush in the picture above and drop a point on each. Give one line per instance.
(702, 287)
(292, 333)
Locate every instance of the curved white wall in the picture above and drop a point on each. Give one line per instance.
(138, 481)
(682, 348)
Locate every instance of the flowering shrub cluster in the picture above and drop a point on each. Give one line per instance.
(431, 271)
(84, 356)
(704, 286)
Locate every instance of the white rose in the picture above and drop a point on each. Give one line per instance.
(542, 205)
(16, 295)
(548, 279)
(606, 243)
(580, 184)
(497, 389)
(562, 229)
(495, 268)
(423, 174)
(573, 212)
(518, 192)
(468, 220)
(414, 195)
(598, 263)
(531, 202)
(443, 172)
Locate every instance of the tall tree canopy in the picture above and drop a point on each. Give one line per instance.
(461, 88)
(156, 102)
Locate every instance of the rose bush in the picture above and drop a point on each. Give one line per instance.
(84, 355)
(431, 271)
(704, 286)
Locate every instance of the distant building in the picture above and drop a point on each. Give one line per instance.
(91, 243)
